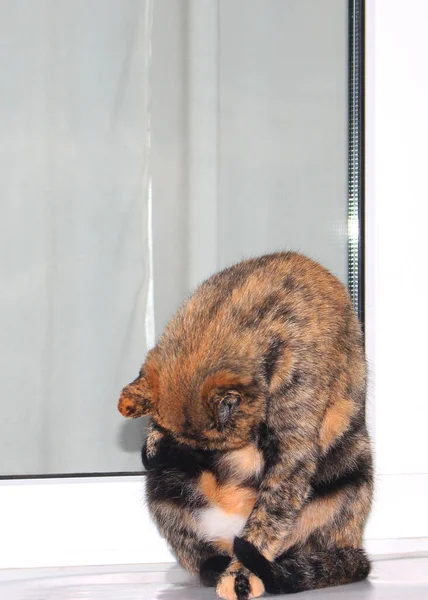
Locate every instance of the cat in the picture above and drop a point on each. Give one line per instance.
(258, 457)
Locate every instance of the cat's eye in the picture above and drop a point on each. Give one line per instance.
(226, 408)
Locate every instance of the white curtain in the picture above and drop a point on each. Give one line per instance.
(215, 134)
(250, 136)
(75, 262)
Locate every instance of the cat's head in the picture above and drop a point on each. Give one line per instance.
(213, 409)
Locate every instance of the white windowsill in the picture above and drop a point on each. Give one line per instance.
(104, 521)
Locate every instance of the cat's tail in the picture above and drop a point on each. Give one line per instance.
(297, 572)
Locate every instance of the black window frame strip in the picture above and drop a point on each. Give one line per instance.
(356, 168)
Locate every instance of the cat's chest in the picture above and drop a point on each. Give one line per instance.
(230, 493)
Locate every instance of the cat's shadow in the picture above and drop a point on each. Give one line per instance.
(183, 585)
(131, 435)
(188, 592)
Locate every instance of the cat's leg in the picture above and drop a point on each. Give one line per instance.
(335, 517)
(298, 441)
(289, 442)
(213, 561)
(171, 500)
(297, 572)
(327, 544)
(154, 438)
(179, 527)
(290, 462)
(287, 512)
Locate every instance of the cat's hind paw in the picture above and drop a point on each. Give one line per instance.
(240, 585)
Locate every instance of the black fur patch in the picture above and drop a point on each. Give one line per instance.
(277, 578)
(212, 568)
(364, 566)
(357, 476)
(173, 456)
(290, 283)
(251, 558)
(300, 572)
(168, 485)
(268, 444)
(298, 379)
(267, 306)
(276, 511)
(242, 587)
(148, 463)
(285, 313)
(344, 444)
(271, 357)
(172, 468)
(318, 568)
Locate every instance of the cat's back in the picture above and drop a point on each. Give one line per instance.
(284, 294)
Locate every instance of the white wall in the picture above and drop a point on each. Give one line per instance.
(397, 216)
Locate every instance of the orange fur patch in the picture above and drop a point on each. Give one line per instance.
(282, 370)
(222, 379)
(256, 587)
(316, 514)
(130, 406)
(336, 421)
(226, 588)
(136, 399)
(224, 546)
(226, 585)
(243, 463)
(229, 497)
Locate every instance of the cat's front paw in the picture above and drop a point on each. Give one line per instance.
(273, 580)
(148, 460)
(150, 450)
(237, 583)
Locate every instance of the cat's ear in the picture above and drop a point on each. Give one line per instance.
(137, 398)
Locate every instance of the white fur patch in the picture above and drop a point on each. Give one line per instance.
(216, 524)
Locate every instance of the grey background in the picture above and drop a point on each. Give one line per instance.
(248, 111)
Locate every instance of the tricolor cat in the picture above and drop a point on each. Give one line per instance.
(259, 462)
